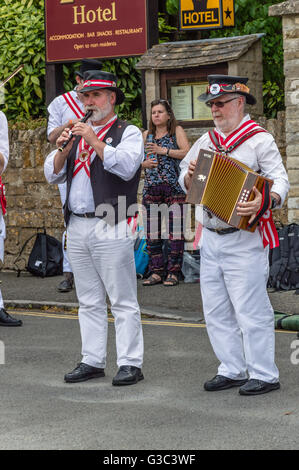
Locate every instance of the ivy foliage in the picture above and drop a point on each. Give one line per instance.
(22, 42)
(251, 17)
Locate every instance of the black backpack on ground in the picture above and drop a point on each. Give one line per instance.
(284, 260)
(46, 257)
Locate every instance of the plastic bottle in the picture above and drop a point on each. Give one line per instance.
(150, 139)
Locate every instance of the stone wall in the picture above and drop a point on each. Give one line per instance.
(290, 22)
(250, 65)
(33, 204)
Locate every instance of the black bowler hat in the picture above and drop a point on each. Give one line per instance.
(98, 80)
(220, 85)
(88, 64)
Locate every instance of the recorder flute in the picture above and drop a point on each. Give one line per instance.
(84, 119)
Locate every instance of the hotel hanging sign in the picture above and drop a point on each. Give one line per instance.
(206, 14)
(85, 29)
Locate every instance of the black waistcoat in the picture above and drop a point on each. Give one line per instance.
(106, 186)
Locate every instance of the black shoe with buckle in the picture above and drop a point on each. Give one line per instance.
(84, 372)
(219, 382)
(258, 387)
(127, 375)
(7, 320)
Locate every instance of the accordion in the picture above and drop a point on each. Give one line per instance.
(220, 182)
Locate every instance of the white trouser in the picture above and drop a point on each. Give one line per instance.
(1, 300)
(2, 239)
(237, 309)
(102, 264)
(2, 236)
(66, 263)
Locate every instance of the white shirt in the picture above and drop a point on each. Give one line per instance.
(60, 112)
(260, 152)
(123, 161)
(4, 143)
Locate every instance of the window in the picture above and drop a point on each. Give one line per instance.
(182, 89)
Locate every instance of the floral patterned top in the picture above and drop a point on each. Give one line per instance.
(167, 171)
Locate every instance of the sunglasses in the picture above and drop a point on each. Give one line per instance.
(160, 101)
(219, 104)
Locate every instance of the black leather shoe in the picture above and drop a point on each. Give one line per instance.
(127, 375)
(219, 382)
(84, 372)
(7, 320)
(257, 387)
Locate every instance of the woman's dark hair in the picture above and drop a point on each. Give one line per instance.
(172, 122)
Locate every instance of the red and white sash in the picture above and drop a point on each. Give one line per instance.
(73, 105)
(236, 138)
(268, 230)
(86, 151)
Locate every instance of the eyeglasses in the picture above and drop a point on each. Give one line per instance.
(219, 104)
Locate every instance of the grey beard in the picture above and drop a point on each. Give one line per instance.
(99, 114)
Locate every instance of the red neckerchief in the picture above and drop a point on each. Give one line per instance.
(73, 105)
(85, 150)
(247, 130)
(2, 197)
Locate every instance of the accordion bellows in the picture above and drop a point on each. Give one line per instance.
(219, 182)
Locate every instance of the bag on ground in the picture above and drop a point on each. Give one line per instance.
(191, 266)
(284, 260)
(46, 257)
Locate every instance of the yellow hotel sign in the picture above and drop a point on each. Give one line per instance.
(206, 14)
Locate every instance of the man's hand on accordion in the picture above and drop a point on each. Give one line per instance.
(188, 176)
(251, 208)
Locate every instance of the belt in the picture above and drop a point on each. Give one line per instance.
(87, 215)
(223, 231)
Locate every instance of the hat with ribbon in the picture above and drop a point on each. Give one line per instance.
(88, 64)
(98, 80)
(220, 85)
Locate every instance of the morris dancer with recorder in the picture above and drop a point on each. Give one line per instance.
(100, 164)
(234, 263)
(64, 111)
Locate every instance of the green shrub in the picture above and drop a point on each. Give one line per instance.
(22, 42)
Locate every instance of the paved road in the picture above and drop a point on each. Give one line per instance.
(168, 410)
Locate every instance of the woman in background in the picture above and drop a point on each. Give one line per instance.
(166, 144)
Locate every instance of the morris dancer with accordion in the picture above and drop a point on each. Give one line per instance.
(234, 262)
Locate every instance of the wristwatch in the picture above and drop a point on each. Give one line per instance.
(167, 153)
(274, 202)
